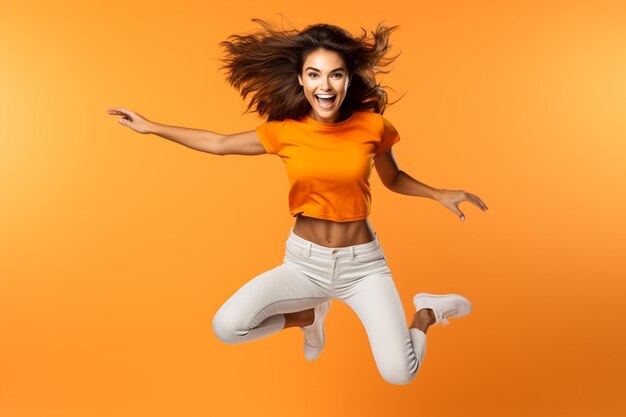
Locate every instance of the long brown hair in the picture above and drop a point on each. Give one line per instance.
(266, 64)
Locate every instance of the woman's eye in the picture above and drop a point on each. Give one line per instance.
(312, 75)
(337, 75)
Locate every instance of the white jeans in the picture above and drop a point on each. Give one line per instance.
(312, 274)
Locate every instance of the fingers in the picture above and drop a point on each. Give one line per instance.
(117, 111)
(483, 204)
(125, 113)
(455, 209)
(476, 201)
(472, 199)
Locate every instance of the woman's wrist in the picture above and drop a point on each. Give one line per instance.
(438, 194)
(153, 127)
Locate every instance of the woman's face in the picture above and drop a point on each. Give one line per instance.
(324, 80)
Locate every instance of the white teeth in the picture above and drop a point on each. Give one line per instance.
(325, 95)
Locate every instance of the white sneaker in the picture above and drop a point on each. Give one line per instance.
(314, 333)
(444, 306)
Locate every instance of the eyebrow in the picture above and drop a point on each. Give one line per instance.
(336, 69)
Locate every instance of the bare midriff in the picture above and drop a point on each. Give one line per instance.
(333, 234)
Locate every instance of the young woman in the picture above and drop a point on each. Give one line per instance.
(317, 89)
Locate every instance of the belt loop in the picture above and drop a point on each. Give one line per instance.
(353, 252)
(309, 248)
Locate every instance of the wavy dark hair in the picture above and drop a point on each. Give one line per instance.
(266, 64)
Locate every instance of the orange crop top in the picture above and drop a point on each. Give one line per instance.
(329, 164)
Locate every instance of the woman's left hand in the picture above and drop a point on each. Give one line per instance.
(451, 199)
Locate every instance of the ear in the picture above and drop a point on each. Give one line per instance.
(300, 79)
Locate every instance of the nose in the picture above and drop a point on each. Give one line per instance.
(325, 84)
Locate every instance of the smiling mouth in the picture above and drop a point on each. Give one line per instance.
(326, 101)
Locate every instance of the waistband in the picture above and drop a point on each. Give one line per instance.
(311, 247)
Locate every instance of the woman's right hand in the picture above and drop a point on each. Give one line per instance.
(133, 120)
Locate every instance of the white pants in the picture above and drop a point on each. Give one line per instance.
(312, 274)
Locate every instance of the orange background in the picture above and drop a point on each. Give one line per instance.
(116, 249)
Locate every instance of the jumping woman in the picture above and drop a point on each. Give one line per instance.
(318, 91)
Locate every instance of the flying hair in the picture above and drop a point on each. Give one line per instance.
(265, 65)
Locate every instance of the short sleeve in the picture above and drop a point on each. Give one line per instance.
(269, 135)
(388, 137)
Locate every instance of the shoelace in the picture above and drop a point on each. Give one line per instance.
(443, 317)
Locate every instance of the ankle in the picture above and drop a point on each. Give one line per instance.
(423, 319)
(307, 317)
(427, 315)
(299, 318)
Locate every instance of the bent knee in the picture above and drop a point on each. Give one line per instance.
(227, 328)
(401, 374)
(399, 378)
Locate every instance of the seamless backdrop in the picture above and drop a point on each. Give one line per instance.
(116, 249)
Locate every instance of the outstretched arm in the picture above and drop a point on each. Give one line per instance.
(244, 143)
(400, 182)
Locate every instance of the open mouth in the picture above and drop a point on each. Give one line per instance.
(326, 101)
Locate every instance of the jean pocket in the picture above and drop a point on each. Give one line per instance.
(294, 252)
(370, 256)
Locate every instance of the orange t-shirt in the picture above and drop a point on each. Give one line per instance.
(329, 164)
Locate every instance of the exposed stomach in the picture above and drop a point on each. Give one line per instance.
(333, 234)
